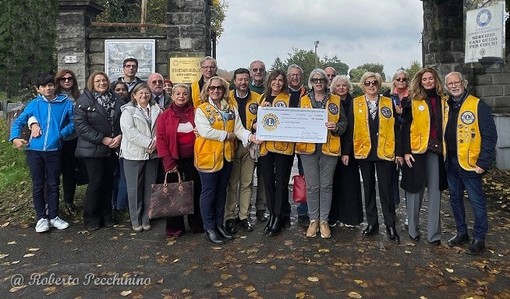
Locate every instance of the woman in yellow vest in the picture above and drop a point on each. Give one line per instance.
(319, 160)
(218, 125)
(276, 157)
(423, 148)
(374, 136)
(471, 138)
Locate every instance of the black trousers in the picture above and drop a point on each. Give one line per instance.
(384, 173)
(97, 206)
(69, 169)
(276, 169)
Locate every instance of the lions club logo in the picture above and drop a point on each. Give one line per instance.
(467, 117)
(270, 122)
(333, 108)
(253, 108)
(386, 112)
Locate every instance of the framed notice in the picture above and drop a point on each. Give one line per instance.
(292, 124)
(185, 69)
(116, 50)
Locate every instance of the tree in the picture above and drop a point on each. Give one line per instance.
(413, 69)
(306, 59)
(27, 43)
(218, 14)
(356, 73)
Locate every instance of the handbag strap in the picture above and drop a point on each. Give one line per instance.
(165, 183)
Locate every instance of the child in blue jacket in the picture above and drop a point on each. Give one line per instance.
(54, 114)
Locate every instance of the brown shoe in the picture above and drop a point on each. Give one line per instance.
(325, 230)
(313, 228)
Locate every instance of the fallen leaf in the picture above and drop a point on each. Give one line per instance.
(50, 290)
(449, 270)
(3, 255)
(313, 278)
(126, 293)
(33, 249)
(15, 289)
(361, 283)
(273, 267)
(11, 243)
(323, 250)
(354, 295)
(5, 224)
(29, 255)
(300, 295)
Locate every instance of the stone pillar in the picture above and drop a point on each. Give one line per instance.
(72, 36)
(443, 38)
(189, 31)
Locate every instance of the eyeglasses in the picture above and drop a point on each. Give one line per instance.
(255, 70)
(401, 79)
(154, 82)
(373, 83)
(131, 66)
(64, 79)
(209, 67)
(454, 83)
(213, 88)
(318, 80)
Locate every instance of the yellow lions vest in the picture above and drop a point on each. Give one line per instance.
(361, 136)
(209, 154)
(195, 94)
(469, 139)
(332, 145)
(251, 108)
(280, 147)
(420, 126)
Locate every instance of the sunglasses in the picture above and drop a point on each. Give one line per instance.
(401, 79)
(64, 79)
(213, 88)
(318, 80)
(373, 83)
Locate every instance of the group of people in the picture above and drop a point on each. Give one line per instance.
(130, 133)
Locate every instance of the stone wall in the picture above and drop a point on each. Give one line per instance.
(80, 46)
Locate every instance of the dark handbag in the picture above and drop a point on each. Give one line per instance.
(299, 189)
(171, 199)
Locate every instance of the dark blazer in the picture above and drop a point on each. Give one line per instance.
(92, 124)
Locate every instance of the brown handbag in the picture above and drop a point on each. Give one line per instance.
(171, 199)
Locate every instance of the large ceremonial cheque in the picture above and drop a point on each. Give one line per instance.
(292, 124)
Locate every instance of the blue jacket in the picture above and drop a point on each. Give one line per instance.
(55, 119)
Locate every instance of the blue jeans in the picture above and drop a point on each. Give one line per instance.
(458, 181)
(214, 195)
(45, 168)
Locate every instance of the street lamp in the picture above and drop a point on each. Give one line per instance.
(316, 44)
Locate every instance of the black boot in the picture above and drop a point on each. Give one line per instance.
(223, 233)
(230, 226)
(286, 221)
(276, 228)
(269, 223)
(212, 236)
(392, 234)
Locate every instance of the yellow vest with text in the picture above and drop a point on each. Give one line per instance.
(420, 126)
(209, 153)
(386, 134)
(332, 145)
(280, 147)
(469, 139)
(251, 108)
(195, 94)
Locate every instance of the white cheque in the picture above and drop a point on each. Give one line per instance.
(292, 124)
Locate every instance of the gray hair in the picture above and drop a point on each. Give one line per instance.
(368, 75)
(321, 72)
(339, 78)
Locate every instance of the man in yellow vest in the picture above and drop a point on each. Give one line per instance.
(208, 67)
(470, 139)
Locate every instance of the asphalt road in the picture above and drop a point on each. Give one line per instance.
(116, 262)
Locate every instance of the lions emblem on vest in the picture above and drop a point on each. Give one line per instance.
(280, 104)
(386, 112)
(333, 108)
(253, 108)
(270, 122)
(467, 117)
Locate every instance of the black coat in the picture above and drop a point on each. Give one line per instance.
(93, 124)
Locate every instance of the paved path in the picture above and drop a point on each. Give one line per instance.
(113, 262)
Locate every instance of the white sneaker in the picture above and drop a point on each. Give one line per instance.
(42, 225)
(59, 223)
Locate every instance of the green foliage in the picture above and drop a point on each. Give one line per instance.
(218, 14)
(13, 169)
(413, 69)
(356, 73)
(308, 61)
(27, 42)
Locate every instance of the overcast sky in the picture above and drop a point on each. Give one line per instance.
(357, 31)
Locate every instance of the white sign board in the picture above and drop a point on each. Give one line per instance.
(292, 124)
(116, 50)
(485, 33)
